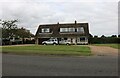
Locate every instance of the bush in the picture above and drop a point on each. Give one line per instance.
(104, 40)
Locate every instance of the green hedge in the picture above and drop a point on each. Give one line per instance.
(104, 40)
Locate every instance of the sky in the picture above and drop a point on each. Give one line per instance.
(102, 15)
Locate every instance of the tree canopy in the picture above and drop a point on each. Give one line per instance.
(10, 29)
(22, 32)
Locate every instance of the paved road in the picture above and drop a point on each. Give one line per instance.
(0, 65)
(23, 65)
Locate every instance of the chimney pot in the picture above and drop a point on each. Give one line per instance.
(75, 22)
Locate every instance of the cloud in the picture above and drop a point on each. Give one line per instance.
(102, 16)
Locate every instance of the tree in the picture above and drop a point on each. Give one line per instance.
(8, 28)
(90, 35)
(119, 35)
(95, 36)
(114, 36)
(103, 36)
(24, 33)
(90, 39)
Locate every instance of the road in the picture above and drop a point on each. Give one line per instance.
(0, 64)
(24, 65)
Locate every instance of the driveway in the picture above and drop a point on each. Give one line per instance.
(103, 51)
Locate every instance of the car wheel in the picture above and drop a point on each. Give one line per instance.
(67, 44)
(44, 44)
(54, 44)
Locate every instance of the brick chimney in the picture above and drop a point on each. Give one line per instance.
(57, 22)
(75, 22)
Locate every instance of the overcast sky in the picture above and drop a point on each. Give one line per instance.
(102, 16)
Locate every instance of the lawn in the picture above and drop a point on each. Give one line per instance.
(48, 50)
(117, 46)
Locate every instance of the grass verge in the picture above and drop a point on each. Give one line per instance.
(48, 50)
(117, 46)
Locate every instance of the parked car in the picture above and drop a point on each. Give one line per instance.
(67, 42)
(15, 40)
(53, 41)
(5, 41)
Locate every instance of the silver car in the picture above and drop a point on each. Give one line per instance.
(50, 41)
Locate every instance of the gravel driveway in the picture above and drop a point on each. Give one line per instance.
(103, 51)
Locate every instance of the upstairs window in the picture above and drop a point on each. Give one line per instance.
(80, 29)
(67, 29)
(63, 29)
(45, 30)
(71, 29)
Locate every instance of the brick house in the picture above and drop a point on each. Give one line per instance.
(77, 33)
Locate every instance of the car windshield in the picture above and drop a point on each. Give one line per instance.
(52, 40)
(48, 40)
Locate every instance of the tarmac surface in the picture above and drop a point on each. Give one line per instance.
(28, 65)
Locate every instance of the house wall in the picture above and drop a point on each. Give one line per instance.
(82, 42)
(74, 40)
(55, 32)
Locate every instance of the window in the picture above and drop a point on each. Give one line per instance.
(63, 29)
(45, 30)
(65, 38)
(82, 39)
(71, 29)
(80, 29)
(52, 40)
(67, 29)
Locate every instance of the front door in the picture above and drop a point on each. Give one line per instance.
(73, 40)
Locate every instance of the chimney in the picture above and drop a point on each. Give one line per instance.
(75, 22)
(58, 23)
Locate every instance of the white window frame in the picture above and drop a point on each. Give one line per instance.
(80, 29)
(45, 30)
(63, 29)
(71, 29)
(67, 29)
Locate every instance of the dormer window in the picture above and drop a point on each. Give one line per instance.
(45, 30)
(63, 29)
(67, 29)
(80, 29)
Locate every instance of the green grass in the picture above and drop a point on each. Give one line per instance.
(117, 46)
(48, 50)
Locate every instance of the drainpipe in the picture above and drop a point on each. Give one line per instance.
(58, 38)
(36, 41)
(76, 41)
(76, 37)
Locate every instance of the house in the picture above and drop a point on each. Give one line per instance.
(77, 33)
